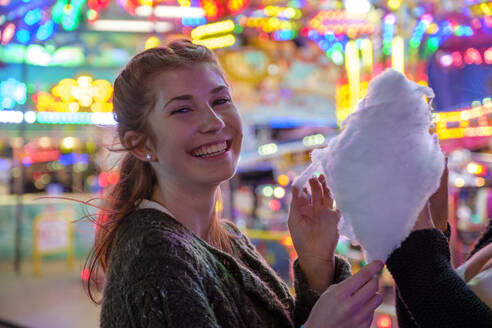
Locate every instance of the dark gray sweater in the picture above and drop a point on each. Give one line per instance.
(162, 275)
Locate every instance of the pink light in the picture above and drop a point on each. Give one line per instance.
(8, 33)
(488, 56)
(446, 60)
(457, 59)
(390, 19)
(472, 56)
(427, 18)
(84, 274)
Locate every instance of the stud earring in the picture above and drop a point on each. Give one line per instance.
(148, 157)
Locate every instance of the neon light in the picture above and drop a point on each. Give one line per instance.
(207, 30)
(218, 42)
(12, 92)
(11, 116)
(398, 54)
(352, 65)
(340, 22)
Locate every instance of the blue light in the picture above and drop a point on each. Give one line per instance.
(193, 21)
(33, 16)
(45, 31)
(84, 158)
(68, 159)
(23, 36)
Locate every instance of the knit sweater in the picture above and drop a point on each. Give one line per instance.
(431, 294)
(161, 274)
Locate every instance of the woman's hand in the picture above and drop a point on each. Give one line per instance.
(313, 225)
(350, 303)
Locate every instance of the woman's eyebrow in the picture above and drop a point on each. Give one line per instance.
(189, 97)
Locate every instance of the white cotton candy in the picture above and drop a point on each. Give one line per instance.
(383, 166)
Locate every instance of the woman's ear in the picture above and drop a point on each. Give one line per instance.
(138, 146)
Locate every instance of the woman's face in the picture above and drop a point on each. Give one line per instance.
(197, 128)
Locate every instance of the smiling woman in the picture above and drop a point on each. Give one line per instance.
(168, 258)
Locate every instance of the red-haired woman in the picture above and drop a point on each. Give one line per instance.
(168, 259)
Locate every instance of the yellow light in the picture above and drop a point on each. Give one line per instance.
(474, 168)
(267, 149)
(317, 139)
(287, 241)
(398, 54)
(44, 142)
(352, 65)
(480, 182)
(223, 27)
(152, 42)
(465, 115)
(283, 180)
(218, 42)
(267, 191)
(279, 192)
(184, 3)
(464, 124)
(68, 142)
(366, 50)
(394, 4)
(433, 28)
(84, 81)
(73, 107)
(459, 182)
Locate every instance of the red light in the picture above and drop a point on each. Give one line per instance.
(457, 59)
(84, 274)
(274, 205)
(473, 56)
(384, 321)
(103, 179)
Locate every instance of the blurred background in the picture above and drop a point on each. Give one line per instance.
(297, 68)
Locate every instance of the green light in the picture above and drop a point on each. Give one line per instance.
(433, 44)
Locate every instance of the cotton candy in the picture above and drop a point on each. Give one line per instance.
(383, 166)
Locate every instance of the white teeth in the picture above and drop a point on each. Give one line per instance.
(207, 151)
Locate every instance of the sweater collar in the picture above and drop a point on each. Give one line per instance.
(146, 203)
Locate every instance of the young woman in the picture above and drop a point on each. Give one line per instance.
(168, 259)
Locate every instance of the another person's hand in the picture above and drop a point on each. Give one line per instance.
(439, 202)
(313, 225)
(424, 220)
(350, 303)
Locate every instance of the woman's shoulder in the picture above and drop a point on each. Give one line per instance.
(152, 230)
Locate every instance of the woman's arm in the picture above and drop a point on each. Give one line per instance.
(433, 293)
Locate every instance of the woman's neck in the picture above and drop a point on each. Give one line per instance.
(192, 207)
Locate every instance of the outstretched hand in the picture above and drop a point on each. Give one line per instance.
(313, 225)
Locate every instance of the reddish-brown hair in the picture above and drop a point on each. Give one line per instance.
(133, 99)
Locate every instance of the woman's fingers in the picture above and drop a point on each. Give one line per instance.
(366, 313)
(326, 192)
(316, 192)
(355, 282)
(366, 292)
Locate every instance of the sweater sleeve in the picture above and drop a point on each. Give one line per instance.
(307, 297)
(405, 319)
(429, 288)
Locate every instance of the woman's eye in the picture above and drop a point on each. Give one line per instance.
(180, 110)
(222, 101)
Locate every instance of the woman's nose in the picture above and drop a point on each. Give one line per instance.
(211, 122)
